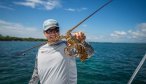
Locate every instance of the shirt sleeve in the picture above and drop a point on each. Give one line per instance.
(35, 77)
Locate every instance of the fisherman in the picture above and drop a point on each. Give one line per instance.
(52, 66)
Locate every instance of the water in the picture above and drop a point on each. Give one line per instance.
(113, 63)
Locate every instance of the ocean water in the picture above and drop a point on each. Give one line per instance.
(112, 63)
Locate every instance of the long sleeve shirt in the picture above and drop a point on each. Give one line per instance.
(52, 66)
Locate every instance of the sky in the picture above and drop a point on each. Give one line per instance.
(120, 21)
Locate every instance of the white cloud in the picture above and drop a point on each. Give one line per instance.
(75, 10)
(133, 35)
(18, 30)
(70, 9)
(30, 3)
(51, 4)
(118, 34)
(142, 27)
(139, 33)
(6, 7)
(48, 5)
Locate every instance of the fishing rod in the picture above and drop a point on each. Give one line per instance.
(23, 52)
(90, 15)
(137, 69)
(69, 31)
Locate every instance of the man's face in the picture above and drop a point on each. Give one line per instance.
(52, 34)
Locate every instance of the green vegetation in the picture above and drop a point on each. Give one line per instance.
(9, 38)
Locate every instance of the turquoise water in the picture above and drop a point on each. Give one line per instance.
(113, 63)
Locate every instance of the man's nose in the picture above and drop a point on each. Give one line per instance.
(53, 33)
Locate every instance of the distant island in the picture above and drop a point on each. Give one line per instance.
(10, 38)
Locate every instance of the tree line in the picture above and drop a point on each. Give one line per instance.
(10, 38)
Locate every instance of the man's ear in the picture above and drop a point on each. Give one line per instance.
(45, 34)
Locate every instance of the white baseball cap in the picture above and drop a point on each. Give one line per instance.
(49, 23)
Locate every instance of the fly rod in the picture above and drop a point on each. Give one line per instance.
(68, 32)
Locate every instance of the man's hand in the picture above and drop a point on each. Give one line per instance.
(80, 36)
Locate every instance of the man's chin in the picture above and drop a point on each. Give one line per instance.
(53, 40)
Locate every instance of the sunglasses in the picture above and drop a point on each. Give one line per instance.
(52, 30)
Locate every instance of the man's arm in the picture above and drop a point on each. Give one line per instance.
(35, 77)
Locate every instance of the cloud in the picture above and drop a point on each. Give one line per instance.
(6, 7)
(48, 5)
(52, 4)
(75, 10)
(18, 30)
(138, 34)
(135, 34)
(70, 9)
(142, 27)
(118, 34)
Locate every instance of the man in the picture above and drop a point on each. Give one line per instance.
(52, 66)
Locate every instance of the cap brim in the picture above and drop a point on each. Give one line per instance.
(50, 28)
